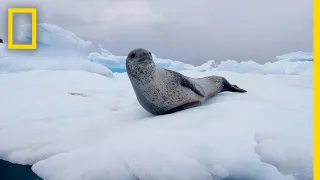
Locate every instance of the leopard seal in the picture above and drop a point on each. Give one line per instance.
(162, 91)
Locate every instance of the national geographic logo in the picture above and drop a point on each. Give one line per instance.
(33, 12)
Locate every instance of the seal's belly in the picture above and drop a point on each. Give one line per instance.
(161, 99)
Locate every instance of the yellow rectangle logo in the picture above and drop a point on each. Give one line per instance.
(33, 12)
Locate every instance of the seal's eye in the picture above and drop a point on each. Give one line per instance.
(150, 53)
(133, 55)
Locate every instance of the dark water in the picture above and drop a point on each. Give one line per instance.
(9, 171)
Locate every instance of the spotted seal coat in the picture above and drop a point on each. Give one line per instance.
(162, 91)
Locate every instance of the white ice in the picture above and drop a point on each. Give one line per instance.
(80, 125)
(12, 65)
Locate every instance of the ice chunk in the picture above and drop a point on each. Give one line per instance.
(211, 64)
(52, 39)
(114, 63)
(57, 49)
(239, 67)
(54, 36)
(104, 52)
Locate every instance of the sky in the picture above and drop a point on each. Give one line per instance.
(185, 30)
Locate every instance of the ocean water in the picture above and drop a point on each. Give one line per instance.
(10, 171)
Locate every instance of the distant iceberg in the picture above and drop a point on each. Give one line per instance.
(118, 63)
(279, 67)
(296, 56)
(291, 64)
(211, 64)
(58, 44)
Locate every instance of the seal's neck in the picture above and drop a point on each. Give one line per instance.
(142, 73)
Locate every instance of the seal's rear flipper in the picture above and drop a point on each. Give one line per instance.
(231, 87)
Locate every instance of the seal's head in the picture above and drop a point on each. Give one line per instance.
(139, 61)
(139, 56)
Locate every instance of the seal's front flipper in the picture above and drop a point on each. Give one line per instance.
(231, 87)
(192, 85)
(188, 83)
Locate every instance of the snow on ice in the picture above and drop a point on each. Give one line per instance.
(86, 126)
(11, 65)
(59, 114)
(277, 150)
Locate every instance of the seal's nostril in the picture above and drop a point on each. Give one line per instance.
(150, 53)
(132, 55)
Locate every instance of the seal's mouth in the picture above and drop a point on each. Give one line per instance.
(145, 59)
